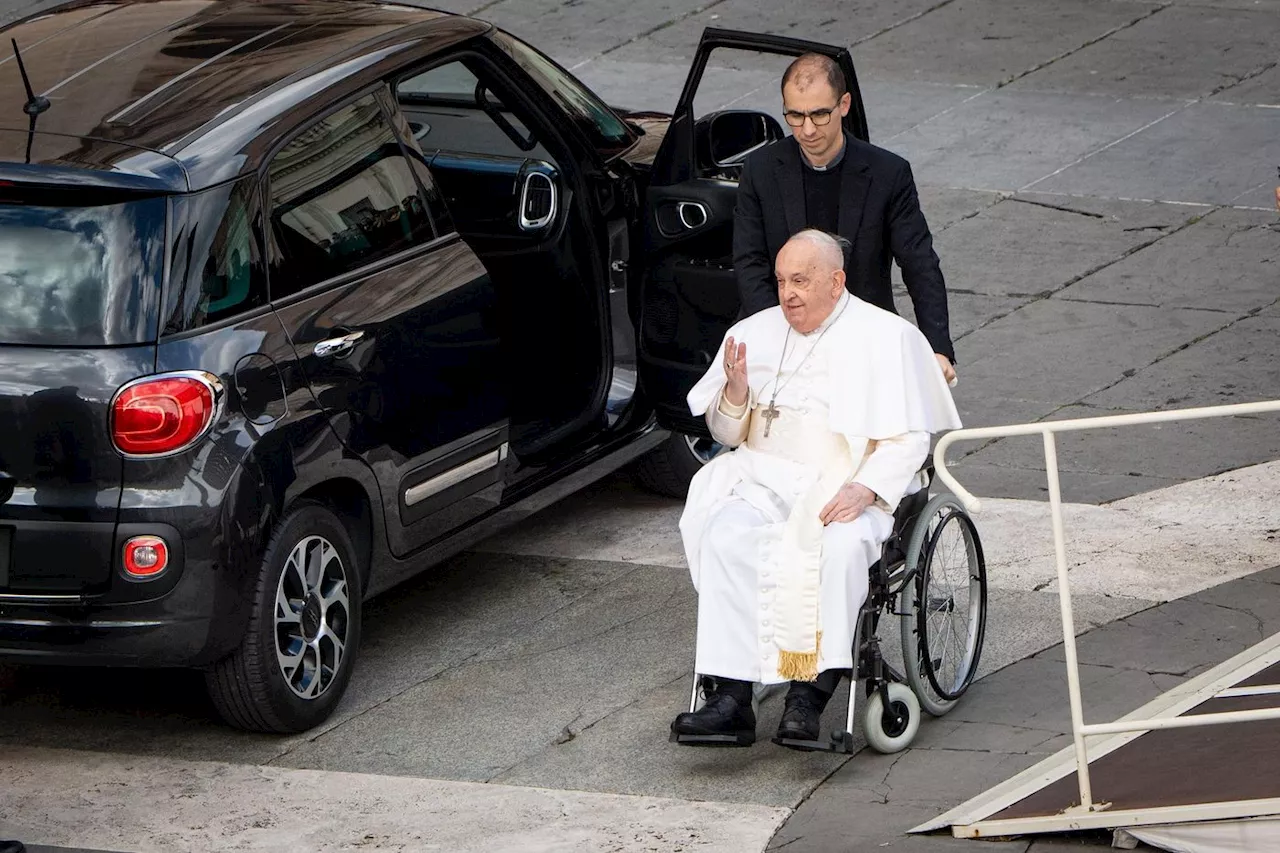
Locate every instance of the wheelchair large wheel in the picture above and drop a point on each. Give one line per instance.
(944, 606)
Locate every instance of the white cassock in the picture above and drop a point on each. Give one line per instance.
(858, 398)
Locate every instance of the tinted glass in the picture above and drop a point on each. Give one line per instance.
(342, 196)
(217, 268)
(445, 114)
(81, 275)
(607, 132)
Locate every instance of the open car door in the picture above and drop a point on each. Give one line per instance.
(689, 294)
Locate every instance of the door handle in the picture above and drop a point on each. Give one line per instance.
(337, 347)
(693, 214)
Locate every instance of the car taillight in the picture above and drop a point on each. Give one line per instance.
(145, 556)
(164, 414)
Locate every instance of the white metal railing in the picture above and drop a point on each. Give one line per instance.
(1048, 429)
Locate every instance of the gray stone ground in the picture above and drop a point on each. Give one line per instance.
(1098, 175)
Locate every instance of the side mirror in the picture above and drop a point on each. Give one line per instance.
(733, 134)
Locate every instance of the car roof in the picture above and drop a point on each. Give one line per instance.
(174, 95)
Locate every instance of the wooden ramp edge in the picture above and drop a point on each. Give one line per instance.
(1166, 776)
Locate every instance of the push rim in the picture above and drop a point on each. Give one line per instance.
(951, 606)
(312, 617)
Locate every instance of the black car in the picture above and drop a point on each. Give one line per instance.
(298, 298)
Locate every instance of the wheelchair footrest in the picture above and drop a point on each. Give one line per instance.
(713, 740)
(839, 742)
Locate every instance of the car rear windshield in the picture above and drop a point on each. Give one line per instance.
(80, 274)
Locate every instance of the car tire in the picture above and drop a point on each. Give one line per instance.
(295, 660)
(670, 467)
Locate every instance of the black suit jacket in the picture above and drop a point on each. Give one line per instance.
(879, 214)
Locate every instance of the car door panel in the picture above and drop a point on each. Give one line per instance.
(689, 296)
(519, 205)
(417, 393)
(394, 326)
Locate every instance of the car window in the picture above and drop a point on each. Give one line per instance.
(79, 272)
(342, 196)
(449, 110)
(217, 268)
(607, 132)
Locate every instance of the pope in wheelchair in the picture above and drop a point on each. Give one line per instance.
(792, 539)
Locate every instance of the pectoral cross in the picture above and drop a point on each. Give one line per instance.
(769, 413)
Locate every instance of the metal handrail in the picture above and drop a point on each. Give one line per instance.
(1048, 429)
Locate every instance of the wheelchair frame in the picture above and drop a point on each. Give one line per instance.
(889, 578)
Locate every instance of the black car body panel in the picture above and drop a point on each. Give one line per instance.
(415, 272)
(58, 470)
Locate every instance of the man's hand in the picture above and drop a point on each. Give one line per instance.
(948, 371)
(735, 372)
(848, 504)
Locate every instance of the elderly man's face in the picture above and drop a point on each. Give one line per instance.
(808, 285)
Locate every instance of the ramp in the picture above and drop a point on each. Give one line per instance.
(1178, 771)
(1204, 754)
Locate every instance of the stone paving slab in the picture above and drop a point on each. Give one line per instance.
(1006, 140)
(1235, 365)
(894, 107)
(1261, 89)
(154, 805)
(566, 671)
(1207, 152)
(1260, 197)
(1068, 350)
(969, 312)
(1031, 246)
(1249, 5)
(1178, 51)
(1226, 261)
(988, 41)
(944, 207)
(579, 31)
(832, 21)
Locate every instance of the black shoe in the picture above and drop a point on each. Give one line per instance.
(802, 716)
(727, 718)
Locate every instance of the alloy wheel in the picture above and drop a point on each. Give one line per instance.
(312, 617)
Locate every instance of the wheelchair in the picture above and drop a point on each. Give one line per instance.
(932, 575)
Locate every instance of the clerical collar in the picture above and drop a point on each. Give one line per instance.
(831, 318)
(835, 161)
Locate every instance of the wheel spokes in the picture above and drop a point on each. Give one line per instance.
(312, 601)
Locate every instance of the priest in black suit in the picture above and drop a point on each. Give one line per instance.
(826, 179)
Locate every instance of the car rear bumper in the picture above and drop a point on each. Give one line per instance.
(192, 614)
(130, 635)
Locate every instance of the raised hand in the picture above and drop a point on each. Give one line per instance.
(735, 372)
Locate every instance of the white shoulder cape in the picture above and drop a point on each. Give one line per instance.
(885, 380)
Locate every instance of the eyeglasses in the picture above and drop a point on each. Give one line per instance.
(820, 118)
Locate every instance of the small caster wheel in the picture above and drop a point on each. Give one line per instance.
(891, 729)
